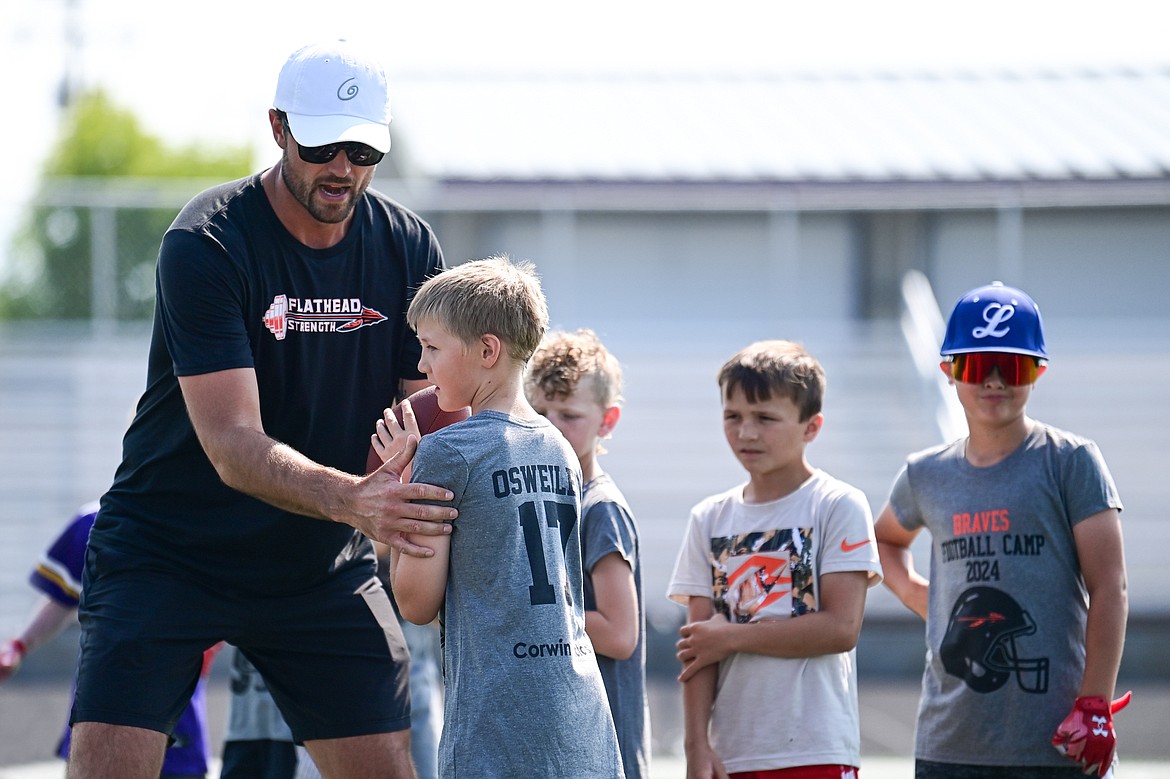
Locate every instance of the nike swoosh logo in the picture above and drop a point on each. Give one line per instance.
(847, 547)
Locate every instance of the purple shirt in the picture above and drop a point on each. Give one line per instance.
(58, 575)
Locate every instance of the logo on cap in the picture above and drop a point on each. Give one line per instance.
(995, 315)
(350, 92)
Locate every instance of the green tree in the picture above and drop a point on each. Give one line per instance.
(51, 273)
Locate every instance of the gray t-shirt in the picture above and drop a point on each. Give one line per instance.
(608, 526)
(524, 696)
(1005, 627)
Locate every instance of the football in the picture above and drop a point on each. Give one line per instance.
(427, 413)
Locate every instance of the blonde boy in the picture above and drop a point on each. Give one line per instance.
(524, 696)
(774, 575)
(575, 383)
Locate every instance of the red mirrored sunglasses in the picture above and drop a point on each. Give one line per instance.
(1017, 370)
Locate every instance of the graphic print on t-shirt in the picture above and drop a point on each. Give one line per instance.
(763, 574)
(318, 315)
(980, 644)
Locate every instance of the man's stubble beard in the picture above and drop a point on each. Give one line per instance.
(303, 190)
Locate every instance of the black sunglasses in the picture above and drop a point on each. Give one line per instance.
(358, 153)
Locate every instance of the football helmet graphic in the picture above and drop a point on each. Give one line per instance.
(980, 643)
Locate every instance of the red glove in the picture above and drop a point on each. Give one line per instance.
(11, 655)
(1086, 736)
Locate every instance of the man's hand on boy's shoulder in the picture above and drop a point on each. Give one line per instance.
(385, 509)
(703, 643)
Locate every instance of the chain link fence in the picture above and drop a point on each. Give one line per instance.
(88, 249)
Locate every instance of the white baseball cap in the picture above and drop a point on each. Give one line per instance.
(332, 92)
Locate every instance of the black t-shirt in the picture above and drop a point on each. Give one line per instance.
(324, 330)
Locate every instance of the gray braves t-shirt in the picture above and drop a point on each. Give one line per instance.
(1006, 616)
(524, 696)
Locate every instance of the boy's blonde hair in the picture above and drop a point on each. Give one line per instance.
(564, 359)
(783, 368)
(493, 295)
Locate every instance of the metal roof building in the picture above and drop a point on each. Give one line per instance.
(839, 182)
(811, 142)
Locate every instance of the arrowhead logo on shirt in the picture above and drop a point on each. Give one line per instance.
(318, 315)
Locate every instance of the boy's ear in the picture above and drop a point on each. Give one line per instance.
(812, 428)
(946, 366)
(490, 349)
(609, 420)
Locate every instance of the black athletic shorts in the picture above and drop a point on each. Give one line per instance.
(928, 769)
(333, 656)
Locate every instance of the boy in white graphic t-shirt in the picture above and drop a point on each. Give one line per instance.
(774, 575)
